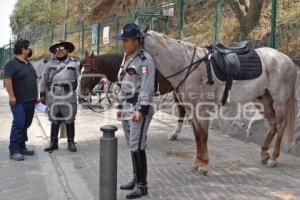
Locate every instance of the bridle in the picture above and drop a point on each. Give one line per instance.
(85, 83)
(190, 68)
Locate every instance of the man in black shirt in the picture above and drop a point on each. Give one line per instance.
(21, 84)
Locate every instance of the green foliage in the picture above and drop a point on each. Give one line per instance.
(30, 14)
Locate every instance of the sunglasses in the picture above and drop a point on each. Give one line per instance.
(60, 48)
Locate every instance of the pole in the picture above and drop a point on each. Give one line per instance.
(45, 38)
(52, 33)
(82, 38)
(65, 31)
(273, 24)
(10, 49)
(135, 6)
(218, 21)
(117, 29)
(65, 20)
(1, 58)
(181, 18)
(98, 38)
(108, 163)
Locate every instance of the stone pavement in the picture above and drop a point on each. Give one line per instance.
(235, 169)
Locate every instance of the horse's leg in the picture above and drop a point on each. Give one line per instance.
(280, 112)
(269, 113)
(285, 119)
(265, 156)
(201, 136)
(284, 113)
(181, 112)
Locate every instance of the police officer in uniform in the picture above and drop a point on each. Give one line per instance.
(57, 90)
(137, 88)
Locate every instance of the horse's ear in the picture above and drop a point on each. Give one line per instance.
(92, 55)
(146, 29)
(86, 53)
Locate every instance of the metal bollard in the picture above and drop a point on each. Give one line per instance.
(108, 163)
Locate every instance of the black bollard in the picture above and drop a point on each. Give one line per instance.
(108, 163)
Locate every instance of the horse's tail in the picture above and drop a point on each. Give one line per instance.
(291, 122)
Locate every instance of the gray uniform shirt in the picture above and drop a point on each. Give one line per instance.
(138, 82)
(52, 82)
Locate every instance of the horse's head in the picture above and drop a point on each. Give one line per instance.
(89, 76)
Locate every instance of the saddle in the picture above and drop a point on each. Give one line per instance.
(237, 62)
(226, 58)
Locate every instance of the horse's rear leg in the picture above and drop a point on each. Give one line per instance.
(201, 136)
(181, 113)
(269, 113)
(265, 156)
(280, 113)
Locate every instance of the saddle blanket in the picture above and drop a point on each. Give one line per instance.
(250, 67)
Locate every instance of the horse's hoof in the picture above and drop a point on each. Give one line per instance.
(271, 163)
(265, 158)
(194, 170)
(173, 137)
(202, 171)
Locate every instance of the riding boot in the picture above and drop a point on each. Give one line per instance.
(131, 184)
(140, 188)
(53, 138)
(71, 134)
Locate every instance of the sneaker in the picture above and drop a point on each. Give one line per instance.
(16, 156)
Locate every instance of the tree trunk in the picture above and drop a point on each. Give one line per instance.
(248, 15)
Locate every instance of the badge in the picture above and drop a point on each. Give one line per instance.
(145, 69)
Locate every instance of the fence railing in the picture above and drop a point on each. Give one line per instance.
(201, 22)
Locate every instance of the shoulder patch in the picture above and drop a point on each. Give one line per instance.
(142, 56)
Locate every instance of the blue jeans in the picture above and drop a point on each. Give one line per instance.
(23, 115)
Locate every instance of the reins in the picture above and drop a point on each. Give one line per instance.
(190, 68)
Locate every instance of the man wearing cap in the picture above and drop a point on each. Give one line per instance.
(57, 90)
(137, 75)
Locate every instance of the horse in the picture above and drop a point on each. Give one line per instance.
(274, 89)
(93, 68)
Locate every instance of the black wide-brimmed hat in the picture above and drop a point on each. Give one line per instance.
(67, 45)
(130, 30)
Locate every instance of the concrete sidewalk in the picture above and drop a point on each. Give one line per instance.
(235, 171)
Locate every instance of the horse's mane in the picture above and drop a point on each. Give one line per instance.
(164, 39)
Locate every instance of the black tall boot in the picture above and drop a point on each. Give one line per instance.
(71, 134)
(131, 184)
(140, 188)
(53, 138)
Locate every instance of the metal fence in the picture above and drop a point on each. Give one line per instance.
(201, 22)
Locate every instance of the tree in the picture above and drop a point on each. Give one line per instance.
(248, 14)
(29, 15)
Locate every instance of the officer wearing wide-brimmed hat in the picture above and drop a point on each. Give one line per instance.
(137, 75)
(57, 90)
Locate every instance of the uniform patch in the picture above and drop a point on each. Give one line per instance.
(145, 69)
(131, 71)
(142, 56)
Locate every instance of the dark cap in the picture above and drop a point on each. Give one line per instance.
(130, 30)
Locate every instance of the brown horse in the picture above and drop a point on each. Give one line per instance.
(93, 68)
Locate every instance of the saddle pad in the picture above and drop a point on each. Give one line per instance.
(250, 67)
